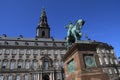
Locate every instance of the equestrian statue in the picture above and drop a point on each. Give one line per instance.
(74, 34)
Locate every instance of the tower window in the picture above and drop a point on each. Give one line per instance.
(43, 33)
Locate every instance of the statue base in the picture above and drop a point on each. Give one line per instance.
(81, 63)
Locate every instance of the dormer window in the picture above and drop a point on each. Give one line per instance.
(26, 43)
(6, 43)
(16, 43)
(36, 44)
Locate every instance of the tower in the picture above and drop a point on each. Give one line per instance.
(43, 29)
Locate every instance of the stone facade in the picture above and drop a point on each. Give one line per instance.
(28, 61)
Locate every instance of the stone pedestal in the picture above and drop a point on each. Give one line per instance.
(81, 63)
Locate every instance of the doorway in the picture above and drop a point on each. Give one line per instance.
(46, 77)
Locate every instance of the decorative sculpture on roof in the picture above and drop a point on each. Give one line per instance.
(74, 34)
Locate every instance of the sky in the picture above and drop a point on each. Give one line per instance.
(102, 18)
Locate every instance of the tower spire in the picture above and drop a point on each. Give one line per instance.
(43, 29)
(43, 19)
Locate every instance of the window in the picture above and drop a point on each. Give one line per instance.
(46, 64)
(18, 77)
(10, 77)
(4, 64)
(56, 64)
(1, 77)
(16, 43)
(56, 52)
(0, 51)
(19, 64)
(62, 64)
(27, 65)
(13, 56)
(26, 43)
(115, 70)
(116, 62)
(21, 51)
(28, 52)
(12, 64)
(98, 50)
(110, 71)
(62, 52)
(35, 52)
(14, 51)
(34, 65)
(111, 61)
(107, 51)
(36, 44)
(5, 56)
(34, 77)
(103, 50)
(112, 51)
(7, 51)
(49, 51)
(35, 56)
(119, 70)
(100, 61)
(26, 77)
(106, 61)
(41, 52)
(57, 76)
(43, 33)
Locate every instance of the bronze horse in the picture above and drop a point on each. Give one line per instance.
(74, 34)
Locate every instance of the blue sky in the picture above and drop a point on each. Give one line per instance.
(102, 18)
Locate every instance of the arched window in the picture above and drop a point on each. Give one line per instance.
(4, 64)
(26, 77)
(45, 64)
(19, 64)
(43, 33)
(10, 77)
(34, 64)
(27, 64)
(12, 64)
(1, 77)
(34, 77)
(56, 64)
(18, 77)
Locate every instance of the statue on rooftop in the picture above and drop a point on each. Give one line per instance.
(74, 34)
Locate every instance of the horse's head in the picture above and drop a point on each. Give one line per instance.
(69, 26)
(81, 22)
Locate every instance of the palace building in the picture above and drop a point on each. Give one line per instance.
(40, 58)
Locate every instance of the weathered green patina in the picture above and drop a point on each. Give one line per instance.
(71, 66)
(74, 34)
(90, 61)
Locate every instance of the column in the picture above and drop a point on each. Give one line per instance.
(53, 76)
(38, 76)
(41, 77)
(50, 76)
